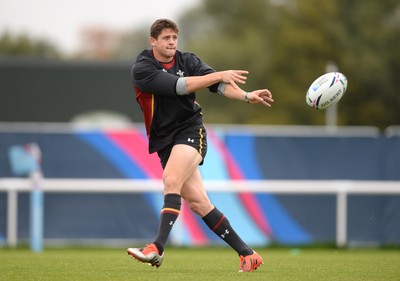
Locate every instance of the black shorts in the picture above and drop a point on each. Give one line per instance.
(195, 136)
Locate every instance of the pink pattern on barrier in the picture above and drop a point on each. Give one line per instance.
(198, 237)
(135, 145)
(248, 199)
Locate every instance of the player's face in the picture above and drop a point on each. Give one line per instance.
(164, 47)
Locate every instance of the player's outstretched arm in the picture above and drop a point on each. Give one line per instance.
(231, 77)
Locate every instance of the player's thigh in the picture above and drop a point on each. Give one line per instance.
(193, 191)
(182, 162)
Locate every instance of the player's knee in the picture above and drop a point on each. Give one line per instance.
(195, 206)
(172, 183)
(201, 207)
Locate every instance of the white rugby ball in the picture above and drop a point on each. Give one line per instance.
(326, 90)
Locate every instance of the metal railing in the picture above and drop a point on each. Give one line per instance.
(340, 188)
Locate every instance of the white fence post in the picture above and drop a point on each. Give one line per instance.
(341, 219)
(12, 217)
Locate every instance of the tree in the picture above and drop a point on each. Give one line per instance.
(22, 45)
(372, 36)
(226, 36)
(287, 44)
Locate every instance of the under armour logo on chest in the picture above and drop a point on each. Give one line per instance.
(180, 73)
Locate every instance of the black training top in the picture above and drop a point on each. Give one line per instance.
(165, 112)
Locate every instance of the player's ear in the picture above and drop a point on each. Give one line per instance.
(153, 41)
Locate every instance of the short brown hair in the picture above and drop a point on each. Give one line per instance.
(160, 24)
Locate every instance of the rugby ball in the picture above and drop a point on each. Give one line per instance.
(326, 90)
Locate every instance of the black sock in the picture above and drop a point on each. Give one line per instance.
(218, 223)
(169, 214)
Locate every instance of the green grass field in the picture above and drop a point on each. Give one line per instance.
(201, 264)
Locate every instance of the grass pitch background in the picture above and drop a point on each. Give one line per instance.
(200, 264)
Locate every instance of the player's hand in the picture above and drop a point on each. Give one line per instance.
(263, 96)
(234, 76)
